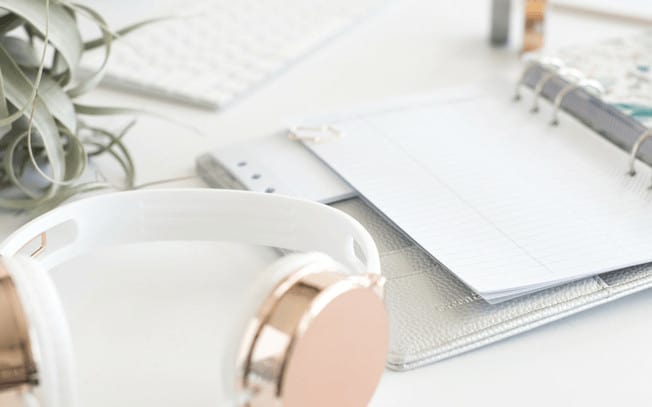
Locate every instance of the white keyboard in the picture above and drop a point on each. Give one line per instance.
(224, 48)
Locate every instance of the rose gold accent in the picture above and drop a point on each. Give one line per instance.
(17, 365)
(42, 247)
(320, 339)
(13, 398)
(535, 12)
(44, 244)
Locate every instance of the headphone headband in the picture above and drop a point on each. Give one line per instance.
(201, 215)
(208, 215)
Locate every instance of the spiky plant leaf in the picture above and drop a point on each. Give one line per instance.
(44, 145)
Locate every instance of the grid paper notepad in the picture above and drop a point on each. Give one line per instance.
(506, 202)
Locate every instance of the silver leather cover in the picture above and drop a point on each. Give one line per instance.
(432, 314)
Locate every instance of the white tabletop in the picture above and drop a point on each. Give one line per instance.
(149, 321)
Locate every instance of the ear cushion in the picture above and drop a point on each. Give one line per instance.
(254, 299)
(48, 328)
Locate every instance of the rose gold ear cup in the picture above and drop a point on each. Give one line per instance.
(257, 296)
(320, 340)
(340, 357)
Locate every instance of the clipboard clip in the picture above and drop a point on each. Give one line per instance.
(316, 134)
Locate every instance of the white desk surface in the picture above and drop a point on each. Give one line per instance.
(162, 348)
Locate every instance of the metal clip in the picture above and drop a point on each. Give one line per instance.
(632, 155)
(330, 131)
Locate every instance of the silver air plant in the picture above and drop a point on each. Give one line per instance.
(46, 137)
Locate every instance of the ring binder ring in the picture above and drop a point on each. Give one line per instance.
(632, 155)
(551, 63)
(539, 88)
(517, 91)
(575, 80)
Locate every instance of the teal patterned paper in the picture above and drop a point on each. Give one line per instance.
(624, 67)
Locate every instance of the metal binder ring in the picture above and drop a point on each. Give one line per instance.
(575, 79)
(539, 88)
(589, 85)
(549, 63)
(526, 70)
(632, 155)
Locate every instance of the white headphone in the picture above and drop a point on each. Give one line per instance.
(319, 333)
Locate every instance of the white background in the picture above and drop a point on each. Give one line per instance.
(149, 321)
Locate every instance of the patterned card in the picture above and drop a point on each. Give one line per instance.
(624, 67)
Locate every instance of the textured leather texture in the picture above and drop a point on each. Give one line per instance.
(433, 315)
